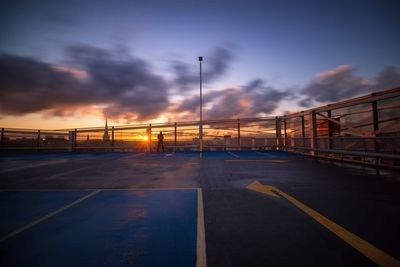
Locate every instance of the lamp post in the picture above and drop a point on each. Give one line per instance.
(201, 110)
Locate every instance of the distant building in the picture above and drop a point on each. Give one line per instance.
(106, 137)
(55, 141)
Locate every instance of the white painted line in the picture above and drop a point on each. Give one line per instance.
(136, 155)
(48, 216)
(34, 165)
(94, 189)
(233, 154)
(201, 257)
(43, 190)
(65, 173)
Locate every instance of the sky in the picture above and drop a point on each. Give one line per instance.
(67, 64)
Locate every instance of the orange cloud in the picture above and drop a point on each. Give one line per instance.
(76, 73)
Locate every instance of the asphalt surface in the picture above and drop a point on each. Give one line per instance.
(242, 227)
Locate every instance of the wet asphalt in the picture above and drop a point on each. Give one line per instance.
(242, 227)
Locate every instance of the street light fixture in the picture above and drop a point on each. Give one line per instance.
(201, 110)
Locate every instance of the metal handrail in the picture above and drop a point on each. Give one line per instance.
(349, 152)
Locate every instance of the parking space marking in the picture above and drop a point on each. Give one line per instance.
(257, 160)
(94, 189)
(139, 154)
(46, 189)
(201, 258)
(67, 172)
(233, 154)
(376, 255)
(48, 216)
(34, 165)
(260, 153)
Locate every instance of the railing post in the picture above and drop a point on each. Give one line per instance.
(2, 137)
(313, 133)
(292, 134)
(375, 117)
(71, 141)
(239, 142)
(175, 136)
(75, 138)
(149, 138)
(278, 134)
(330, 135)
(112, 138)
(38, 140)
(285, 133)
(303, 132)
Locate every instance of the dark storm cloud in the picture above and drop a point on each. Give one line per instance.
(192, 103)
(187, 75)
(342, 83)
(250, 100)
(124, 87)
(28, 85)
(334, 85)
(125, 84)
(389, 78)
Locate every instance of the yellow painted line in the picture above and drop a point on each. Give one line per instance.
(201, 258)
(48, 216)
(376, 255)
(257, 160)
(233, 154)
(266, 189)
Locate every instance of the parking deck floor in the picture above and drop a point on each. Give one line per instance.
(257, 208)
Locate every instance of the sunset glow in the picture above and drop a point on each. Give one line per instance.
(135, 69)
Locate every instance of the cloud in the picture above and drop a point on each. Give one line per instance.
(123, 87)
(253, 99)
(342, 83)
(389, 78)
(123, 84)
(192, 103)
(28, 85)
(214, 66)
(334, 85)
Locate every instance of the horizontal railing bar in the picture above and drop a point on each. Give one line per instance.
(369, 164)
(349, 152)
(395, 92)
(35, 132)
(33, 148)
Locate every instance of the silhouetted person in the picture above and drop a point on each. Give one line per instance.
(160, 137)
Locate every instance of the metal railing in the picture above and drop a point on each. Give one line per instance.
(364, 130)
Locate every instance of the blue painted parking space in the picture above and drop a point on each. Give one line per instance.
(111, 227)
(20, 208)
(217, 154)
(175, 154)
